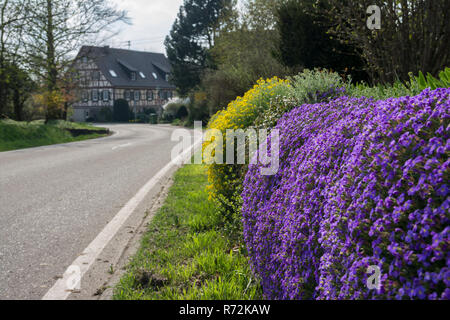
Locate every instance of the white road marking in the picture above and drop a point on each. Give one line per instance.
(60, 291)
(122, 146)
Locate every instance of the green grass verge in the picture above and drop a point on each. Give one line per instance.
(19, 135)
(185, 255)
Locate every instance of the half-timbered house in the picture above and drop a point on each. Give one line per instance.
(106, 74)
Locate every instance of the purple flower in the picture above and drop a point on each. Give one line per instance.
(361, 183)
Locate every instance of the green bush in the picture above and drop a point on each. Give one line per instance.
(383, 92)
(226, 180)
(433, 83)
(198, 111)
(175, 111)
(308, 87)
(106, 114)
(414, 87)
(182, 112)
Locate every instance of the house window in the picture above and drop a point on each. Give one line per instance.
(155, 75)
(113, 73)
(149, 95)
(127, 95)
(163, 95)
(133, 76)
(84, 60)
(167, 77)
(137, 95)
(106, 95)
(85, 96)
(142, 75)
(96, 76)
(95, 95)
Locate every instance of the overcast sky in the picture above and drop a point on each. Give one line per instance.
(152, 21)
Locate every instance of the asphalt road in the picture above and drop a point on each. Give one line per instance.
(55, 200)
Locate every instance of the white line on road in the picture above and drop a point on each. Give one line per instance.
(122, 146)
(60, 291)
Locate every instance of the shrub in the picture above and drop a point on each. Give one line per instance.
(382, 92)
(142, 118)
(198, 110)
(307, 87)
(226, 180)
(121, 111)
(399, 89)
(432, 82)
(106, 114)
(361, 183)
(182, 113)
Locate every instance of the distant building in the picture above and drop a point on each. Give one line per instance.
(106, 75)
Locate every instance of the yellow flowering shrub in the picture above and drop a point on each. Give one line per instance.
(225, 181)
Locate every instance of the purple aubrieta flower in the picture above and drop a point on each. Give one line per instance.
(361, 183)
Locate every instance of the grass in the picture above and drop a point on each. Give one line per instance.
(19, 135)
(185, 255)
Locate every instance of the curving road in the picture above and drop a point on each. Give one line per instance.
(55, 200)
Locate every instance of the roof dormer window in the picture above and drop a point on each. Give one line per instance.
(133, 76)
(155, 75)
(142, 75)
(113, 73)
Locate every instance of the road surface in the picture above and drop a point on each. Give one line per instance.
(55, 200)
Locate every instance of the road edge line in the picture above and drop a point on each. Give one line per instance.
(83, 263)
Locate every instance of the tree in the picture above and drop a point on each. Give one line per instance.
(261, 14)
(304, 40)
(55, 29)
(243, 54)
(12, 17)
(414, 35)
(193, 34)
(21, 86)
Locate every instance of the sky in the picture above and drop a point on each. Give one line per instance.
(151, 23)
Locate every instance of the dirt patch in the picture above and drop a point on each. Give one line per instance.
(147, 280)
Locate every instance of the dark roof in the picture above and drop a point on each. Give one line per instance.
(123, 62)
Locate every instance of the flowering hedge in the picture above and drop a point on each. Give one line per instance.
(226, 180)
(361, 183)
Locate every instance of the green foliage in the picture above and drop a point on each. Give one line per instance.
(106, 114)
(242, 56)
(305, 42)
(182, 112)
(121, 111)
(197, 23)
(382, 92)
(18, 135)
(414, 36)
(308, 87)
(399, 89)
(185, 254)
(198, 110)
(175, 111)
(432, 82)
(226, 180)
